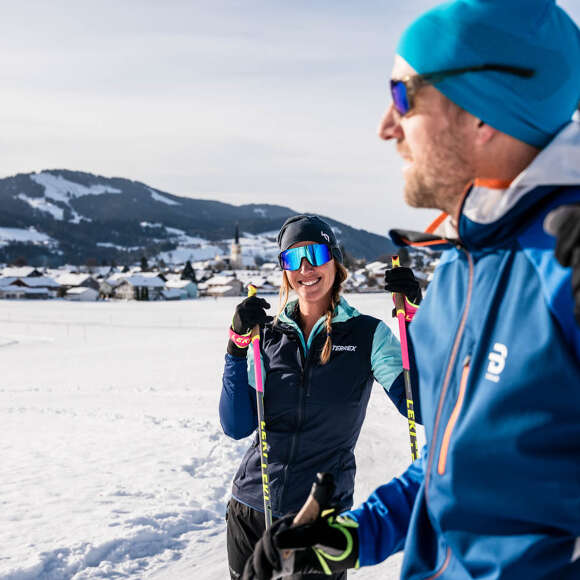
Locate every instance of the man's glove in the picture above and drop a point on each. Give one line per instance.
(402, 281)
(326, 546)
(249, 313)
(565, 225)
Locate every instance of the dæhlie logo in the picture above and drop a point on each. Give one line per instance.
(497, 358)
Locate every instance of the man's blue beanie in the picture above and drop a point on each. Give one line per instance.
(534, 34)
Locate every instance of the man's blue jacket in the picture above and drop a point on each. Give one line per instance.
(496, 493)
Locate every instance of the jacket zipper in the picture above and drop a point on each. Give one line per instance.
(301, 404)
(299, 418)
(453, 418)
(309, 384)
(304, 362)
(450, 364)
(443, 566)
(446, 380)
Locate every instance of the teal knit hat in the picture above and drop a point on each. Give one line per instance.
(533, 34)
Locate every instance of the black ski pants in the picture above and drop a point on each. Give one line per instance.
(245, 527)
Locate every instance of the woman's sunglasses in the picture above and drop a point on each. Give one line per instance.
(403, 90)
(316, 254)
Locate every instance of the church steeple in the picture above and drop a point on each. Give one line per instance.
(236, 261)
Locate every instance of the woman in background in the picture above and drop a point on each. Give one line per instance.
(320, 357)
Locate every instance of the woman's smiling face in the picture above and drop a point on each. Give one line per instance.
(313, 284)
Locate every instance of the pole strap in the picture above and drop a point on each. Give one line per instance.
(240, 340)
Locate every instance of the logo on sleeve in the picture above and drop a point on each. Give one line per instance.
(497, 358)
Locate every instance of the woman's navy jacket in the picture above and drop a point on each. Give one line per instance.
(314, 413)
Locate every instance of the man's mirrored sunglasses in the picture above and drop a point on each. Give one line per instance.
(403, 90)
(316, 254)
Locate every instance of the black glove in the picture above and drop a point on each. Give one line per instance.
(403, 281)
(249, 313)
(326, 546)
(567, 233)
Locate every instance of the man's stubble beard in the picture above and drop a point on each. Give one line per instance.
(439, 178)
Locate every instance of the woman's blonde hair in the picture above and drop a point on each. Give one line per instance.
(340, 276)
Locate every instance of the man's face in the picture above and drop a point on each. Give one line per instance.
(435, 140)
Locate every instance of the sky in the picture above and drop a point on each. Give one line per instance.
(248, 101)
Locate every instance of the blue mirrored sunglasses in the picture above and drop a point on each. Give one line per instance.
(316, 254)
(403, 90)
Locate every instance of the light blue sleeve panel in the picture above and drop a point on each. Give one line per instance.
(386, 360)
(251, 373)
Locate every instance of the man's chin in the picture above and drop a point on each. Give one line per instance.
(418, 198)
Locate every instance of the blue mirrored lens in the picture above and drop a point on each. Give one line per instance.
(399, 95)
(290, 260)
(316, 254)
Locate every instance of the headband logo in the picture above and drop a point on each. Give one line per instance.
(325, 236)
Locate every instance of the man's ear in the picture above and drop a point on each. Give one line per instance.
(485, 132)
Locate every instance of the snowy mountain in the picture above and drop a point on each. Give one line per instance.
(58, 216)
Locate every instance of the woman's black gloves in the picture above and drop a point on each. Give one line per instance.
(403, 281)
(249, 313)
(567, 231)
(326, 546)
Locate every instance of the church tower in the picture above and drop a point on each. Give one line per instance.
(236, 251)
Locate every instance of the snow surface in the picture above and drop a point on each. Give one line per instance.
(30, 235)
(41, 204)
(58, 188)
(158, 197)
(114, 464)
(178, 232)
(192, 248)
(256, 245)
(182, 254)
(124, 248)
(185, 239)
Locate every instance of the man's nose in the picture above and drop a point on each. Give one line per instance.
(390, 127)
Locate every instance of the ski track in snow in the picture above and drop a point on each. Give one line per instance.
(114, 462)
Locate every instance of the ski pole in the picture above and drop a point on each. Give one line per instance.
(261, 422)
(400, 310)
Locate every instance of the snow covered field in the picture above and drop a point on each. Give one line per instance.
(113, 460)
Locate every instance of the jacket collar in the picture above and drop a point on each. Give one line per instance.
(343, 312)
